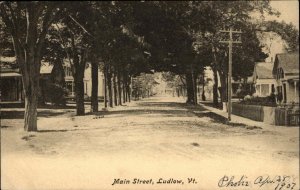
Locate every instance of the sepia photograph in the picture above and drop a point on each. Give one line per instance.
(149, 95)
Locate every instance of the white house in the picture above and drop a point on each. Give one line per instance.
(263, 79)
(87, 80)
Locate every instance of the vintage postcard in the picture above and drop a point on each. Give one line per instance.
(153, 95)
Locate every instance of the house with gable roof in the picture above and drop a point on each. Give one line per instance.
(286, 73)
(263, 79)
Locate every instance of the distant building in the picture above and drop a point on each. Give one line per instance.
(263, 79)
(70, 85)
(286, 73)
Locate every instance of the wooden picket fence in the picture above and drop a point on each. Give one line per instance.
(287, 117)
(284, 116)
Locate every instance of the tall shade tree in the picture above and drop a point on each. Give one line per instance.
(99, 28)
(75, 37)
(288, 32)
(233, 14)
(28, 23)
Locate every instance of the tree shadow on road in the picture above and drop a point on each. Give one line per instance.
(12, 114)
(219, 119)
(172, 105)
(48, 106)
(167, 109)
(146, 112)
(48, 130)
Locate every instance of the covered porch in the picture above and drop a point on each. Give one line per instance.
(11, 87)
(293, 90)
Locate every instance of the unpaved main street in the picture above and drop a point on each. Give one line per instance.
(155, 138)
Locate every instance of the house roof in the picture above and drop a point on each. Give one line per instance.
(9, 74)
(7, 59)
(263, 70)
(46, 68)
(289, 62)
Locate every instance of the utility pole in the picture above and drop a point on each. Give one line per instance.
(230, 42)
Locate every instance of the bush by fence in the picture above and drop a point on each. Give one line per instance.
(261, 101)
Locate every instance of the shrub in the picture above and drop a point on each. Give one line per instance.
(263, 101)
(56, 94)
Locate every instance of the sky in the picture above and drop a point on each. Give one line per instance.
(289, 10)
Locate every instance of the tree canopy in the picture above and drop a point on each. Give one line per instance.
(131, 38)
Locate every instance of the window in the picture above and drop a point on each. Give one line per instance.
(69, 85)
(68, 71)
(281, 73)
(265, 90)
(257, 89)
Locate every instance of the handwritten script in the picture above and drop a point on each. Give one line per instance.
(277, 182)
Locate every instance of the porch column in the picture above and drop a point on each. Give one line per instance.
(283, 92)
(287, 92)
(72, 88)
(260, 90)
(86, 89)
(295, 97)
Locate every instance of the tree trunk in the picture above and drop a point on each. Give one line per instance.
(31, 88)
(124, 90)
(30, 69)
(28, 50)
(215, 73)
(203, 98)
(105, 86)
(109, 86)
(221, 66)
(215, 87)
(115, 90)
(94, 98)
(79, 95)
(223, 89)
(194, 77)
(128, 88)
(79, 67)
(125, 79)
(119, 88)
(203, 90)
(190, 91)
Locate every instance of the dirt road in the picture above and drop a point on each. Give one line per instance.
(155, 140)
